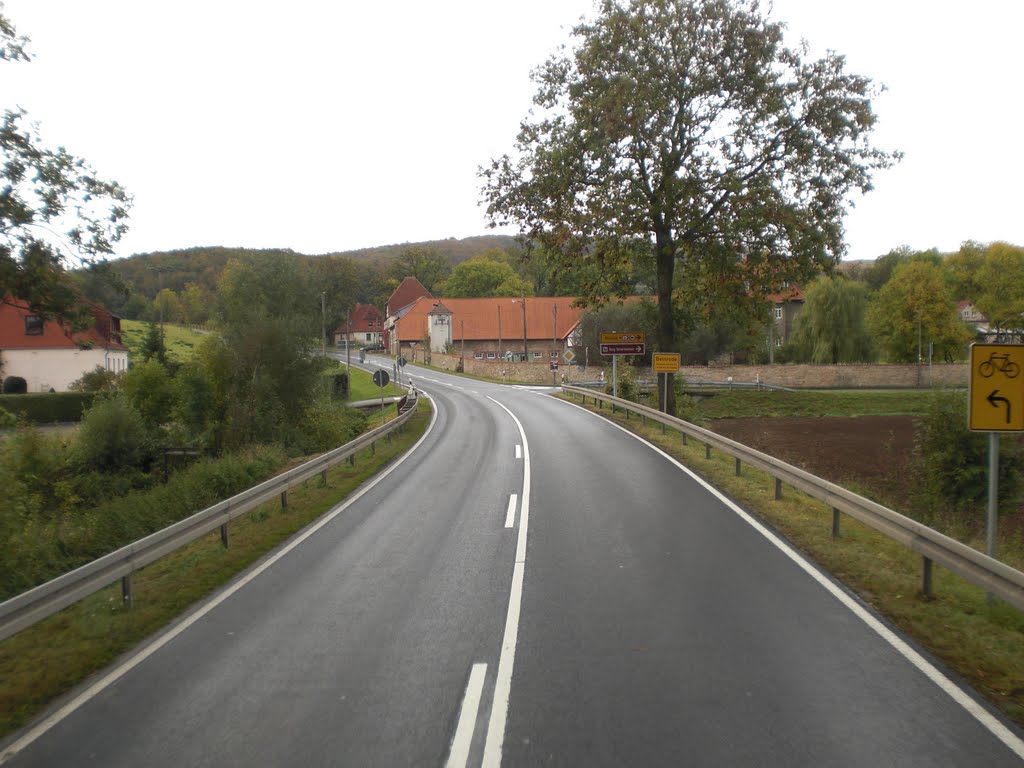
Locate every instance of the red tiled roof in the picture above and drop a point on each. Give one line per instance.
(793, 293)
(479, 318)
(102, 334)
(360, 319)
(405, 294)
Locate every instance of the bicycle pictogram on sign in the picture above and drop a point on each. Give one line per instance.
(1001, 363)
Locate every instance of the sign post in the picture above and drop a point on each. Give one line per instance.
(616, 344)
(666, 363)
(995, 403)
(381, 379)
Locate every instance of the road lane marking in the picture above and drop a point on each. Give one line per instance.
(519, 451)
(982, 715)
(510, 516)
(463, 739)
(507, 659)
(117, 673)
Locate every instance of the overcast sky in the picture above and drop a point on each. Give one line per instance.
(328, 126)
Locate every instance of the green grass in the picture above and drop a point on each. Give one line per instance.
(181, 342)
(50, 658)
(982, 642)
(737, 403)
(363, 388)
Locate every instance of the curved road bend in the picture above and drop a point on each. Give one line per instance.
(639, 621)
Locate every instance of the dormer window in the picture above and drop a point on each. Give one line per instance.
(33, 325)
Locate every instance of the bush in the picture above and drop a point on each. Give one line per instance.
(326, 425)
(7, 419)
(15, 385)
(112, 437)
(628, 388)
(99, 379)
(950, 463)
(48, 407)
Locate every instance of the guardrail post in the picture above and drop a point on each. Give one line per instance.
(284, 499)
(126, 591)
(684, 438)
(663, 427)
(352, 460)
(373, 448)
(323, 477)
(643, 419)
(707, 450)
(737, 466)
(835, 523)
(926, 579)
(225, 538)
(778, 489)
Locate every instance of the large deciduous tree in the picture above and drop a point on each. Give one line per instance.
(1001, 282)
(913, 309)
(688, 125)
(54, 209)
(481, 277)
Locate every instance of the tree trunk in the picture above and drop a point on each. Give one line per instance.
(666, 263)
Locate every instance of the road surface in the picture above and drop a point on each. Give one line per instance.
(529, 586)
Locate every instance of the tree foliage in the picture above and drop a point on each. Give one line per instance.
(915, 308)
(687, 126)
(1000, 280)
(830, 328)
(427, 265)
(482, 277)
(54, 208)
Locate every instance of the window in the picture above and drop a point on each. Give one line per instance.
(554, 354)
(537, 355)
(478, 355)
(33, 325)
(778, 313)
(369, 337)
(491, 355)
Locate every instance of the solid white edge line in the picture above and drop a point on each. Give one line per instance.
(116, 674)
(982, 715)
(506, 661)
(463, 738)
(510, 516)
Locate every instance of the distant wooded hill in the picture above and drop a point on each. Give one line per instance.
(148, 273)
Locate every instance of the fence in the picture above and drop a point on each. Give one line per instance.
(979, 569)
(35, 605)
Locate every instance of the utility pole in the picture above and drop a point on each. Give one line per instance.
(462, 324)
(499, 330)
(526, 353)
(323, 324)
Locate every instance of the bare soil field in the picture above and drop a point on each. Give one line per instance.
(871, 452)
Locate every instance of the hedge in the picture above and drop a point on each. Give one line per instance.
(48, 407)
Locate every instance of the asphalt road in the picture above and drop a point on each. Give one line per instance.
(615, 612)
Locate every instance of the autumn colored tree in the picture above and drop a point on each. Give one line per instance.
(481, 277)
(689, 127)
(1001, 282)
(914, 308)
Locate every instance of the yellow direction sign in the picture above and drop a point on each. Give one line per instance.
(665, 362)
(637, 337)
(996, 395)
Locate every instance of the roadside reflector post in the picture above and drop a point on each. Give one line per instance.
(126, 591)
(926, 579)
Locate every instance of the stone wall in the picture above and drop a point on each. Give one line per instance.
(861, 376)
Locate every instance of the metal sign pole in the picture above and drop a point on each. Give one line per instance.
(615, 375)
(664, 399)
(993, 493)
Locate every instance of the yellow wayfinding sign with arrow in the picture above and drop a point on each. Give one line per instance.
(996, 395)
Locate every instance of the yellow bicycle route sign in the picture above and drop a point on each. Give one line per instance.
(996, 395)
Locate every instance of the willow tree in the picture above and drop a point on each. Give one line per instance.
(688, 128)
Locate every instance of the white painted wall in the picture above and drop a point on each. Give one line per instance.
(46, 369)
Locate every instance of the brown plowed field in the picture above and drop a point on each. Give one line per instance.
(866, 451)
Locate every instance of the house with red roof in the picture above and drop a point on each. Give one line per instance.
(364, 327)
(537, 329)
(50, 355)
(409, 291)
(786, 305)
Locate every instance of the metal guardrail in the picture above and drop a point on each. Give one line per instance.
(26, 609)
(995, 577)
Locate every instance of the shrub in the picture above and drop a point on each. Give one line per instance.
(99, 379)
(326, 425)
(15, 385)
(112, 437)
(950, 463)
(7, 419)
(48, 407)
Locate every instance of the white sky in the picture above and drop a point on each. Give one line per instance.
(328, 126)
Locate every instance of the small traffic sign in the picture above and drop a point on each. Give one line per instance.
(635, 337)
(622, 349)
(569, 356)
(665, 362)
(996, 395)
(381, 378)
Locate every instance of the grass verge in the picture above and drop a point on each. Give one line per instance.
(52, 657)
(736, 404)
(981, 642)
(181, 342)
